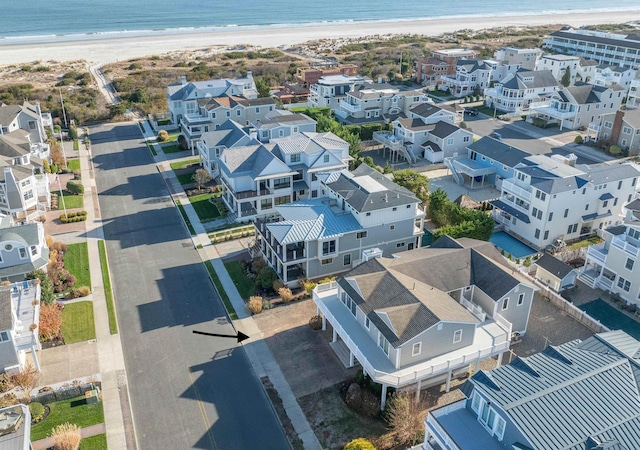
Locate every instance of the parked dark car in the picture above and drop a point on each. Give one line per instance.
(471, 111)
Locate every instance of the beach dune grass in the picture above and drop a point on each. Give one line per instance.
(75, 411)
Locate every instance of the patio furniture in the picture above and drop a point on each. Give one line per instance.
(632, 308)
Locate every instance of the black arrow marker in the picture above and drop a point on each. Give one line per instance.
(240, 336)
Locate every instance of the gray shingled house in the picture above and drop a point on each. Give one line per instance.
(582, 395)
(425, 316)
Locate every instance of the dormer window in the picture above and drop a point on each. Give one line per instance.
(295, 158)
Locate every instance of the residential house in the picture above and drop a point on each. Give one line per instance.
(308, 76)
(633, 98)
(576, 107)
(429, 132)
(24, 188)
(488, 159)
(550, 198)
(556, 274)
(524, 57)
(291, 93)
(19, 320)
(424, 316)
(429, 70)
(331, 89)
(29, 124)
(580, 395)
(472, 75)
(15, 428)
(558, 66)
(323, 236)
(620, 128)
(201, 106)
(608, 76)
(258, 177)
(615, 49)
(614, 265)
(283, 123)
(517, 90)
(378, 103)
(228, 135)
(586, 70)
(23, 249)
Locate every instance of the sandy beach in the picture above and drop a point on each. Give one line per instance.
(107, 50)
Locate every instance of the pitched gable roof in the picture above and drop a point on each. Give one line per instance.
(250, 160)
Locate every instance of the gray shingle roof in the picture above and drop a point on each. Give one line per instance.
(366, 189)
(413, 288)
(425, 109)
(584, 93)
(539, 79)
(572, 395)
(250, 160)
(498, 151)
(554, 266)
(8, 113)
(444, 129)
(596, 39)
(415, 124)
(6, 320)
(228, 134)
(9, 149)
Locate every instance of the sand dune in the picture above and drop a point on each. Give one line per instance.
(97, 50)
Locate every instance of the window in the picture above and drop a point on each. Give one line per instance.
(326, 158)
(392, 227)
(329, 247)
(34, 250)
(361, 234)
(352, 307)
(537, 233)
(475, 402)
(238, 113)
(624, 284)
(626, 130)
(465, 139)
(586, 207)
(416, 349)
(394, 209)
(400, 244)
(28, 194)
(505, 303)
(23, 252)
(450, 141)
(629, 264)
(541, 195)
(295, 158)
(383, 343)
(520, 299)
(546, 235)
(605, 203)
(281, 183)
(367, 323)
(566, 212)
(457, 336)
(324, 262)
(257, 110)
(314, 193)
(534, 212)
(4, 336)
(266, 203)
(347, 259)
(283, 200)
(368, 214)
(572, 228)
(439, 327)
(500, 426)
(228, 113)
(550, 216)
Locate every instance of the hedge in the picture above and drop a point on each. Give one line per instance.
(79, 216)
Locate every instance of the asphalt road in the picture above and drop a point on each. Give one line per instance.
(518, 135)
(187, 391)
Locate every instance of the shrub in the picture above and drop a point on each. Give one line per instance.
(46, 286)
(183, 143)
(163, 135)
(404, 418)
(277, 285)
(73, 132)
(362, 400)
(254, 305)
(37, 411)
(73, 293)
(257, 265)
(60, 246)
(308, 286)
(527, 261)
(66, 437)
(615, 150)
(266, 277)
(510, 257)
(84, 291)
(315, 322)
(26, 380)
(79, 216)
(8, 400)
(75, 188)
(285, 294)
(359, 444)
(578, 139)
(50, 321)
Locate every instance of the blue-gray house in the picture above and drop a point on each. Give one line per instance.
(582, 395)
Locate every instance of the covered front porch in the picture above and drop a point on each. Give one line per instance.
(474, 170)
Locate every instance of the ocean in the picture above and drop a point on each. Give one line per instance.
(47, 20)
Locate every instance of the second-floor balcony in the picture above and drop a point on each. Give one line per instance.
(628, 246)
(195, 119)
(350, 107)
(241, 195)
(388, 139)
(552, 110)
(598, 252)
(519, 191)
(458, 81)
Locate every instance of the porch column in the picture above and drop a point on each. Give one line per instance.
(500, 359)
(35, 358)
(449, 380)
(351, 359)
(317, 311)
(477, 366)
(418, 391)
(383, 397)
(335, 335)
(324, 323)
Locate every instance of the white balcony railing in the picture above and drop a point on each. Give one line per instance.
(597, 252)
(513, 188)
(474, 309)
(437, 430)
(621, 243)
(605, 283)
(349, 107)
(388, 139)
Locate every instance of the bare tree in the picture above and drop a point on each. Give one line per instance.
(26, 380)
(404, 418)
(201, 177)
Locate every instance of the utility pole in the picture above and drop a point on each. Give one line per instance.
(61, 196)
(64, 114)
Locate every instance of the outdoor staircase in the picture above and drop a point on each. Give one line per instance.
(341, 351)
(408, 155)
(231, 217)
(457, 176)
(587, 279)
(254, 248)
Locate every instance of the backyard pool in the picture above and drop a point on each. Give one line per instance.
(427, 238)
(509, 244)
(611, 317)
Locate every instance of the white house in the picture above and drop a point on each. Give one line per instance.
(558, 65)
(331, 89)
(614, 265)
(228, 135)
(29, 124)
(471, 75)
(323, 236)
(620, 128)
(577, 106)
(19, 320)
(23, 249)
(586, 70)
(524, 57)
(516, 91)
(424, 316)
(608, 76)
(633, 98)
(550, 198)
(282, 123)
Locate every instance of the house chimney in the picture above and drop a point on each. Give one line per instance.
(249, 74)
(38, 110)
(184, 80)
(617, 126)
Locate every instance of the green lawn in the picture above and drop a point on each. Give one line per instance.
(74, 411)
(171, 148)
(70, 201)
(205, 209)
(183, 213)
(223, 294)
(245, 285)
(584, 243)
(76, 145)
(77, 322)
(153, 152)
(73, 164)
(108, 293)
(180, 164)
(76, 261)
(97, 442)
(185, 178)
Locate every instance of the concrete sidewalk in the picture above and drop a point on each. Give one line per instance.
(85, 432)
(110, 355)
(256, 349)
